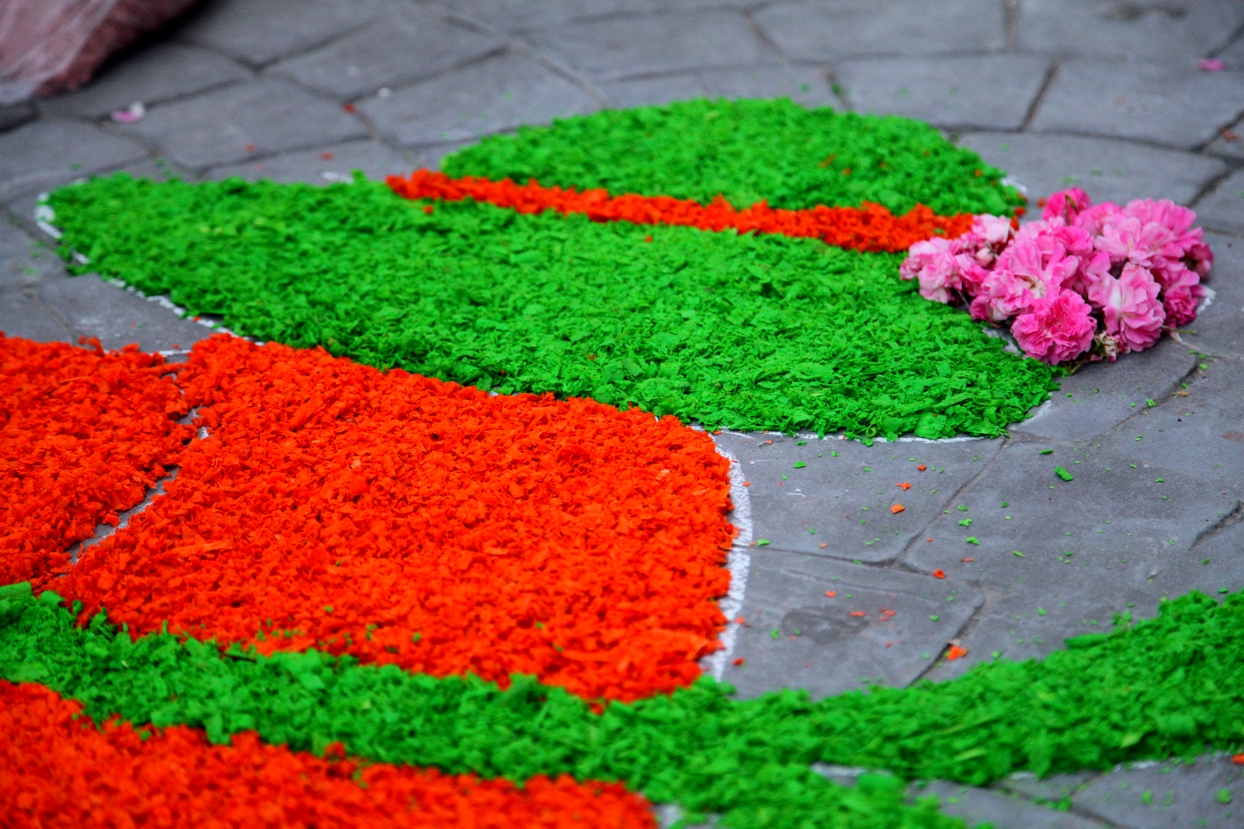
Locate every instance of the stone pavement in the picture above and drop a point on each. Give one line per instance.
(1102, 94)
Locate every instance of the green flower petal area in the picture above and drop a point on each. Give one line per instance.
(747, 151)
(744, 332)
(1173, 685)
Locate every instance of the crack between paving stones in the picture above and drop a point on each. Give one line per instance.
(763, 36)
(1235, 516)
(1010, 25)
(395, 86)
(105, 530)
(899, 561)
(1031, 114)
(319, 44)
(1166, 395)
(521, 44)
(1213, 183)
(1228, 43)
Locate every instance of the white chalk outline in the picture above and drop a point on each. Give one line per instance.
(738, 561)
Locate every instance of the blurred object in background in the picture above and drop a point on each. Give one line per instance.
(50, 46)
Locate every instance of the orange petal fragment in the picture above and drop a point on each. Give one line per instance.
(897, 508)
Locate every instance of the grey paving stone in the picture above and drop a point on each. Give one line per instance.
(323, 165)
(1233, 54)
(22, 209)
(1223, 207)
(25, 260)
(498, 94)
(1053, 788)
(1219, 328)
(1201, 434)
(1000, 809)
(839, 505)
(1172, 104)
(517, 15)
(1107, 170)
(1180, 795)
(162, 72)
(1102, 395)
(53, 151)
(834, 651)
(90, 307)
(979, 92)
(14, 115)
(261, 31)
(654, 91)
(244, 120)
(814, 31)
(1186, 29)
(802, 84)
(1111, 536)
(400, 46)
(23, 316)
(655, 44)
(1230, 141)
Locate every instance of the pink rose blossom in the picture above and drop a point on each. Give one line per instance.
(1128, 239)
(1092, 219)
(934, 264)
(1055, 328)
(1062, 207)
(1131, 308)
(1200, 258)
(1090, 272)
(1181, 288)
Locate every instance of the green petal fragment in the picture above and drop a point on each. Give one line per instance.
(1063, 474)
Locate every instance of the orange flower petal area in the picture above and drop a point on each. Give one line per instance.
(58, 769)
(82, 435)
(410, 521)
(867, 228)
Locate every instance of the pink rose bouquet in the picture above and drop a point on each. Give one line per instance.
(1086, 282)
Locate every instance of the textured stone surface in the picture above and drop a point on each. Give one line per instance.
(242, 121)
(52, 151)
(1180, 795)
(1001, 809)
(1219, 329)
(90, 307)
(1054, 787)
(1230, 140)
(1201, 434)
(623, 46)
(159, 73)
(1107, 170)
(841, 505)
(517, 15)
(820, 645)
(815, 31)
(399, 47)
(260, 31)
(1223, 207)
(1113, 535)
(1173, 104)
(14, 115)
(802, 84)
(22, 208)
(1102, 395)
(498, 94)
(1108, 28)
(322, 165)
(985, 92)
(25, 260)
(23, 316)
